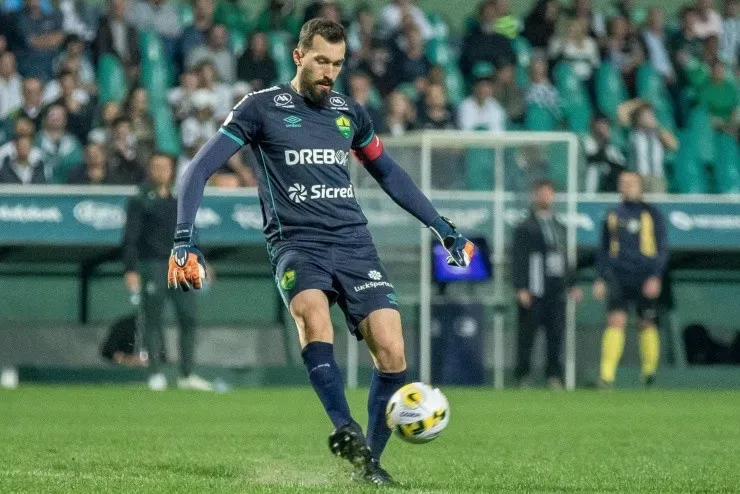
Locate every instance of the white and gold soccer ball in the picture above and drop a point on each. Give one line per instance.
(417, 413)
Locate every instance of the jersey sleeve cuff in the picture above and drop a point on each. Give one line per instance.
(232, 136)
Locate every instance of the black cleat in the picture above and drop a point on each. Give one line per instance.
(348, 442)
(373, 473)
(648, 381)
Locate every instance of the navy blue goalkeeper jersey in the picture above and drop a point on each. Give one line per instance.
(302, 154)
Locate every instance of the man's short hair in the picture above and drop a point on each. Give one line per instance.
(326, 28)
(159, 154)
(121, 120)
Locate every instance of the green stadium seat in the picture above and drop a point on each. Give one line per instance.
(576, 105)
(238, 42)
(539, 118)
(280, 50)
(650, 87)
(150, 47)
(610, 89)
(726, 163)
(438, 52)
(185, 14)
(688, 175)
(166, 133)
(111, 79)
(701, 135)
(523, 51)
(455, 84)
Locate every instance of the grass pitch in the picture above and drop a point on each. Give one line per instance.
(85, 439)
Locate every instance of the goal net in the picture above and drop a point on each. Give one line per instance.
(481, 181)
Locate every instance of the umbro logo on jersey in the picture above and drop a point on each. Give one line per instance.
(292, 122)
(298, 193)
(283, 99)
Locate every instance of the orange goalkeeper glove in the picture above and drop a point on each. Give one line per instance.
(187, 265)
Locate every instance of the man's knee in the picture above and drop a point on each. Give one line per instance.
(311, 313)
(391, 357)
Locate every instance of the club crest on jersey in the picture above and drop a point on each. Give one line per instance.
(283, 99)
(344, 125)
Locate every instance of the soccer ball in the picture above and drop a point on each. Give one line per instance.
(417, 413)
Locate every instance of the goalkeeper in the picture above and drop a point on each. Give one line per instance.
(318, 242)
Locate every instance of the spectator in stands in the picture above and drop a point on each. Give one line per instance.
(93, 171)
(21, 165)
(195, 34)
(647, 143)
(117, 37)
(685, 45)
(378, 67)
(359, 89)
(540, 91)
(604, 160)
(233, 15)
(279, 15)
(42, 36)
(709, 22)
(730, 39)
(360, 34)
(108, 114)
(594, 22)
(483, 44)
(434, 111)
(180, 98)
(222, 93)
(411, 62)
(504, 22)
(11, 93)
(577, 48)
(399, 115)
(392, 19)
(623, 50)
(656, 49)
(200, 126)
(3, 43)
(234, 174)
(509, 94)
(161, 17)
(481, 111)
(22, 127)
(125, 163)
(32, 106)
(720, 97)
(74, 56)
(142, 125)
(539, 25)
(77, 104)
(326, 9)
(255, 65)
(216, 50)
(62, 150)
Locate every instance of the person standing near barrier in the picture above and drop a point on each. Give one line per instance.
(542, 280)
(150, 223)
(631, 260)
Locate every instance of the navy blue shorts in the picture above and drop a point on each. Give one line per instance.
(351, 276)
(623, 292)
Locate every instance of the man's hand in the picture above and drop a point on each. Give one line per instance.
(576, 294)
(651, 287)
(599, 290)
(186, 266)
(460, 250)
(132, 280)
(524, 298)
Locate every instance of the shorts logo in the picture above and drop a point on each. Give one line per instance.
(292, 122)
(282, 99)
(344, 125)
(392, 298)
(287, 282)
(297, 193)
(374, 275)
(337, 101)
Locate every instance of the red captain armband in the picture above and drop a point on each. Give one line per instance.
(371, 151)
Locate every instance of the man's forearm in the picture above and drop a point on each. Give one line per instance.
(212, 156)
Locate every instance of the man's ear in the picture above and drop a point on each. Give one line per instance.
(297, 57)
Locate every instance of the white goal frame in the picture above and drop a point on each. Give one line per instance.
(497, 141)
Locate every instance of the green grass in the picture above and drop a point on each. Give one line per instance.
(85, 439)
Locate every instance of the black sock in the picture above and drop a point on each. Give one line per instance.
(382, 387)
(326, 379)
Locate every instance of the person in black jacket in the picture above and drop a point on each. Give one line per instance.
(542, 280)
(150, 224)
(482, 44)
(117, 37)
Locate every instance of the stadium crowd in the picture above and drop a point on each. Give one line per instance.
(88, 91)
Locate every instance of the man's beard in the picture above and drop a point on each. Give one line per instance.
(312, 89)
